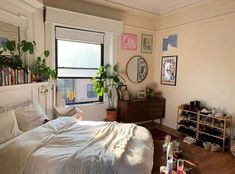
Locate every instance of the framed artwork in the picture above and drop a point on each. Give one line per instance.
(169, 70)
(146, 43)
(142, 69)
(129, 41)
(169, 43)
(141, 94)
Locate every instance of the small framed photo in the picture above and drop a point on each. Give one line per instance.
(169, 70)
(146, 43)
(141, 95)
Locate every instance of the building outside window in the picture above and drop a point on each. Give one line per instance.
(79, 55)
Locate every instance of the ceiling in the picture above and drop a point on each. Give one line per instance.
(157, 7)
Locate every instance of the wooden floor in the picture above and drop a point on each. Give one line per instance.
(203, 162)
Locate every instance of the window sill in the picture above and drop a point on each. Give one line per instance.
(88, 104)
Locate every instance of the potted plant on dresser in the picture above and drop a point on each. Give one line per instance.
(106, 84)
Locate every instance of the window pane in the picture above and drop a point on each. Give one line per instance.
(76, 73)
(77, 54)
(76, 90)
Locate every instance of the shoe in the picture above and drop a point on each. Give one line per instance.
(189, 140)
(205, 111)
(215, 147)
(207, 145)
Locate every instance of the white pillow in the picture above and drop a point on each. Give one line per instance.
(9, 127)
(30, 116)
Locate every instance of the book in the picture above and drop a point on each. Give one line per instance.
(6, 77)
(0, 76)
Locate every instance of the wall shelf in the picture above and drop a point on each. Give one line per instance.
(23, 86)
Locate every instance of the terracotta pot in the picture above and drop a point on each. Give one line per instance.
(111, 114)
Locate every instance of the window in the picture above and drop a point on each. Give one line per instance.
(79, 55)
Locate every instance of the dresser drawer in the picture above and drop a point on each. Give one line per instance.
(156, 103)
(141, 110)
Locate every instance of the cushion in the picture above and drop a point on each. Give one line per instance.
(9, 127)
(29, 117)
(70, 112)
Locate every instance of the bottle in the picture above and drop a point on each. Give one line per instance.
(169, 150)
(169, 164)
(169, 157)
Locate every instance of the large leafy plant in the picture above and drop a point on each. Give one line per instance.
(106, 83)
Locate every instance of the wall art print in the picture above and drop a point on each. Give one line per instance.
(169, 43)
(142, 70)
(169, 70)
(146, 43)
(129, 41)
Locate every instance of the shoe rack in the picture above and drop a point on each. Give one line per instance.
(204, 127)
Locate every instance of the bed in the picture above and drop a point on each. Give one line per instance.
(68, 145)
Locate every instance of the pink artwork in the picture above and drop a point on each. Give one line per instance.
(129, 41)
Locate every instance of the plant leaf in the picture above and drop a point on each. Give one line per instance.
(46, 53)
(115, 68)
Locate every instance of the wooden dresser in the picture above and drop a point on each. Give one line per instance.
(140, 110)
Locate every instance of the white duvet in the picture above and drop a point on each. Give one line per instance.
(68, 146)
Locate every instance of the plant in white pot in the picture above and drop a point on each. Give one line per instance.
(106, 84)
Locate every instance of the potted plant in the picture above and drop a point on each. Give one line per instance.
(106, 83)
(41, 72)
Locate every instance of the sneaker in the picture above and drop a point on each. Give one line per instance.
(215, 147)
(189, 140)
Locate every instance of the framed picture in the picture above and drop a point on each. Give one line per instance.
(169, 70)
(169, 43)
(129, 41)
(146, 43)
(141, 94)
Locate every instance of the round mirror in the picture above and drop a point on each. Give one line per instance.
(136, 69)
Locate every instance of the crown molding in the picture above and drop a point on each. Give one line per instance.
(207, 9)
(28, 5)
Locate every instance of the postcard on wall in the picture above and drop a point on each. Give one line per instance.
(129, 41)
(169, 43)
(169, 70)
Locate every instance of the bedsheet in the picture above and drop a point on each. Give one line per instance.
(66, 145)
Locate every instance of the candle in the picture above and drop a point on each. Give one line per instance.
(68, 95)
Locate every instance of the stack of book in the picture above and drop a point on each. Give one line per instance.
(9, 76)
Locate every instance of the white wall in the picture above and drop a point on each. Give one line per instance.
(125, 55)
(205, 49)
(205, 61)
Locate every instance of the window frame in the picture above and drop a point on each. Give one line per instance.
(56, 65)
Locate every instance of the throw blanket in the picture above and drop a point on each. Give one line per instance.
(98, 148)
